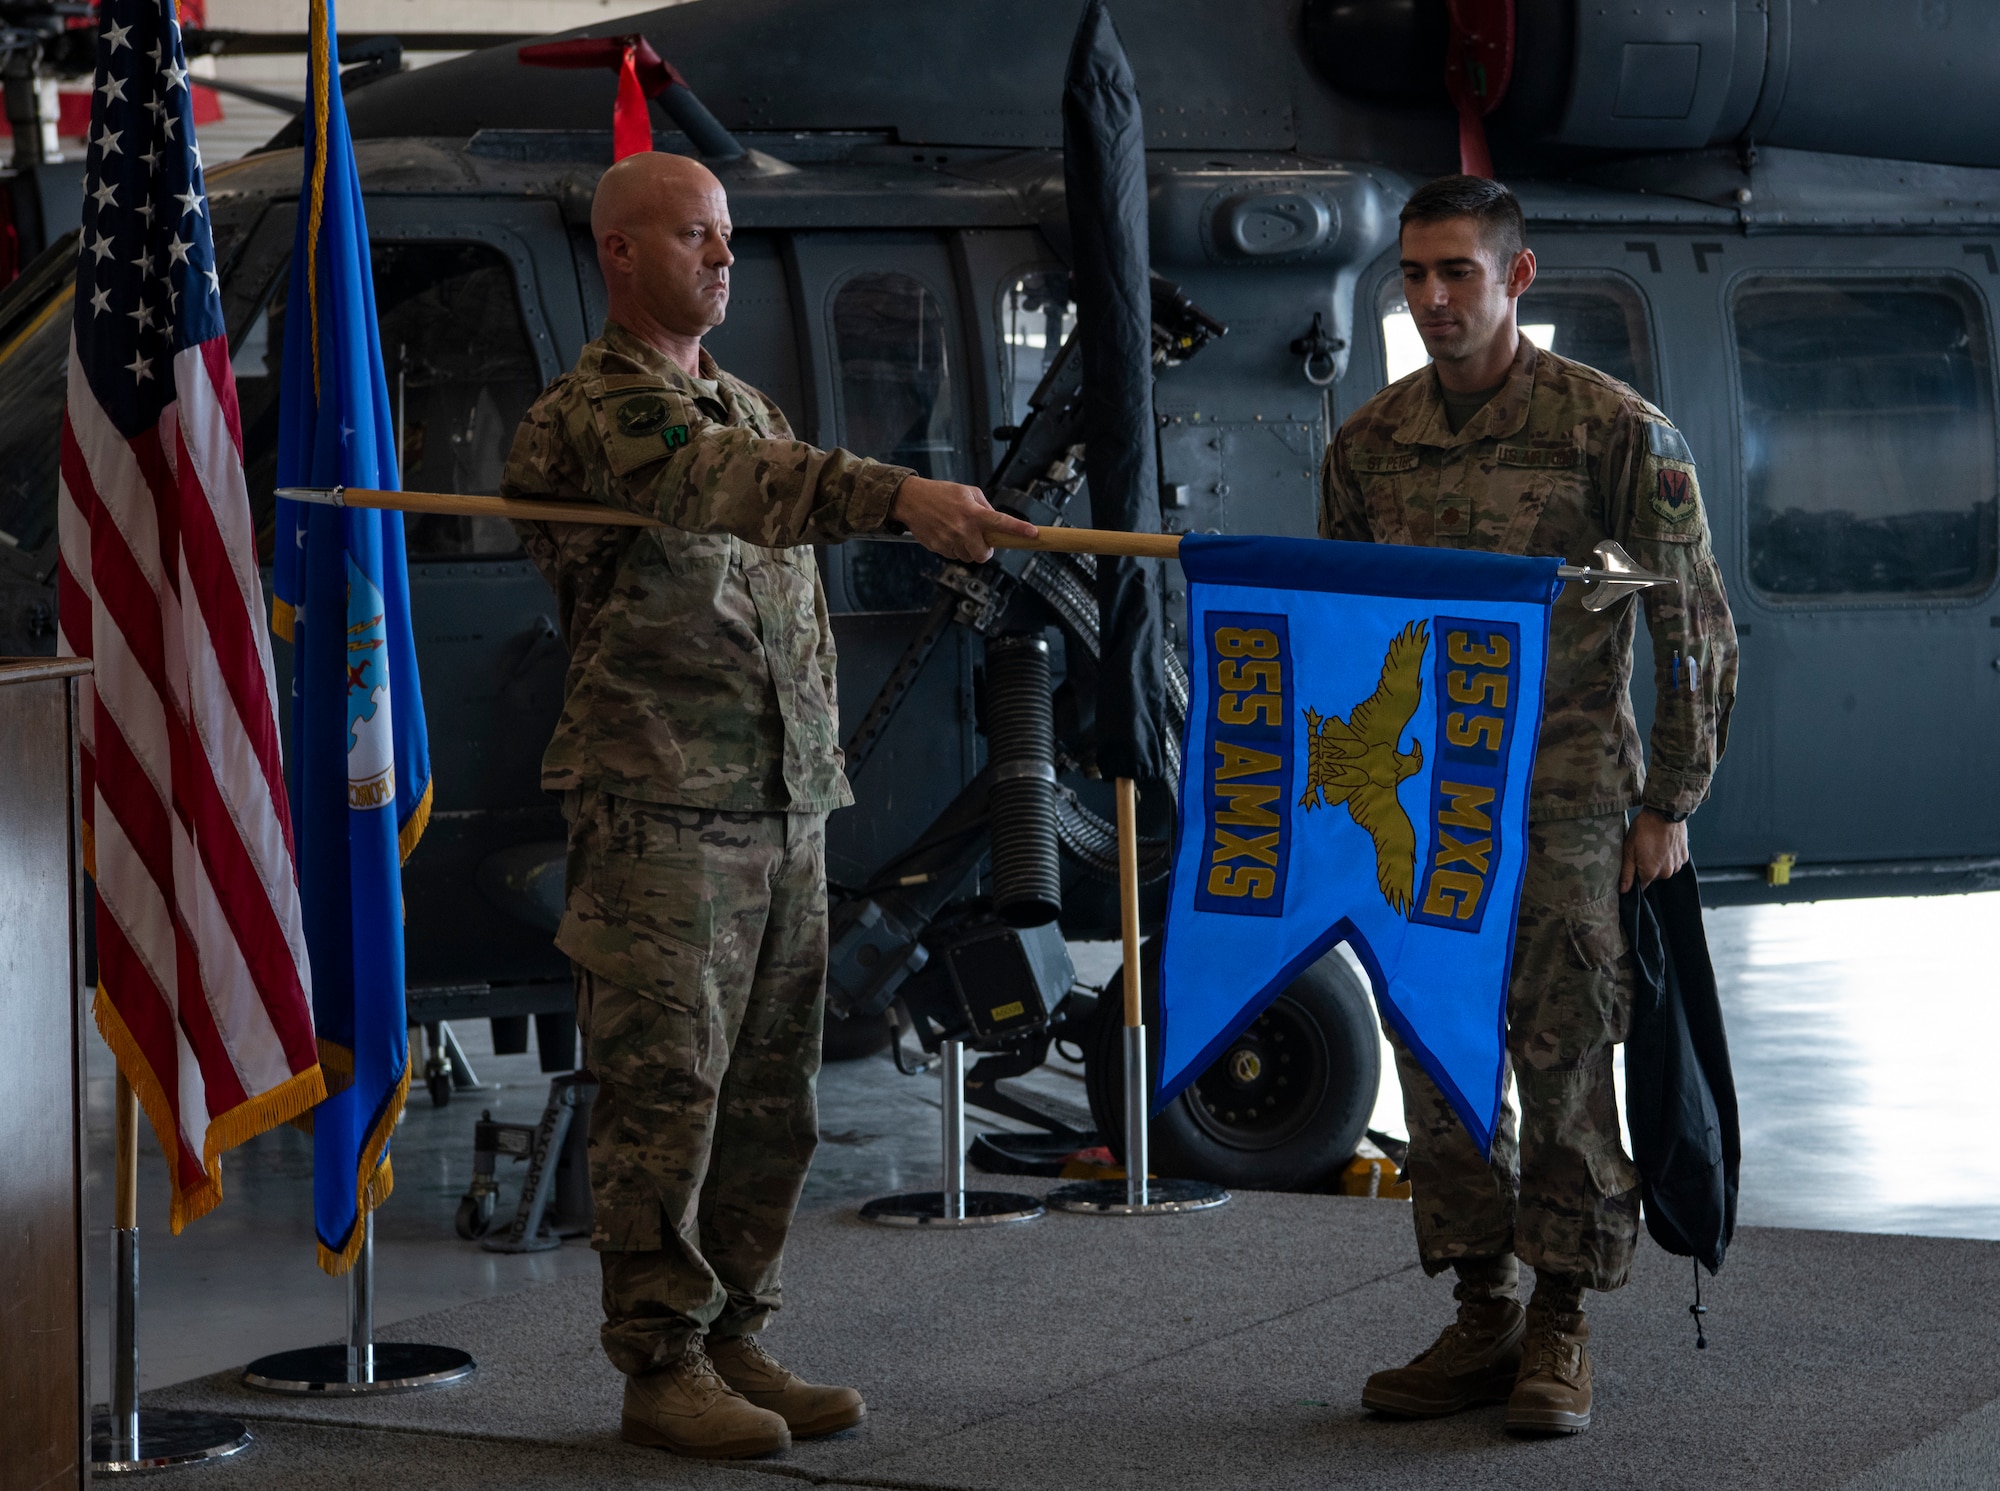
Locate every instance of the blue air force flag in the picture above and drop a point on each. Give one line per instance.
(360, 767)
(1362, 721)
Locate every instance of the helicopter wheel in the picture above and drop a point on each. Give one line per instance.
(1281, 1109)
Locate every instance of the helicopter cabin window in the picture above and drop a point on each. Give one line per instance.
(1036, 316)
(461, 373)
(1594, 319)
(893, 374)
(1868, 437)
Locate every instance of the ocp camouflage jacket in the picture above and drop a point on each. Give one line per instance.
(1562, 458)
(701, 662)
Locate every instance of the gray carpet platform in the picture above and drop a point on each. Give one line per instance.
(1219, 1350)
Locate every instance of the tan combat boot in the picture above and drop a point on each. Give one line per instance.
(808, 1409)
(690, 1410)
(1552, 1395)
(1476, 1359)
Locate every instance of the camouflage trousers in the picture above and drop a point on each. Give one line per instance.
(1558, 1190)
(699, 939)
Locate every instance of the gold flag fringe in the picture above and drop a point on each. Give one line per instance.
(374, 1179)
(253, 1116)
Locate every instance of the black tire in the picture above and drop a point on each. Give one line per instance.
(1280, 1110)
(475, 1217)
(439, 1084)
(850, 1040)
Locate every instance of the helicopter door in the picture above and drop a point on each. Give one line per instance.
(1863, 437)
(882, 326)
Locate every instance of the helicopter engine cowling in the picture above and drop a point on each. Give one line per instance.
(1840, 76)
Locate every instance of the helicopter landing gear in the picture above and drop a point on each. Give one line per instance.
(1280, 1110)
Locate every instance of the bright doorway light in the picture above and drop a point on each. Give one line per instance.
(1403, 349)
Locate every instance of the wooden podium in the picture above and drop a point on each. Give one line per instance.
(44, 1374)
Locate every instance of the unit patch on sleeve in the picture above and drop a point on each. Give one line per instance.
(647, 414)
(1673, 497)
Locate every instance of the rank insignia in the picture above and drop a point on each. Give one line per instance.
(1674, 498)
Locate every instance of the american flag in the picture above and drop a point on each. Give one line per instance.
(204, 993)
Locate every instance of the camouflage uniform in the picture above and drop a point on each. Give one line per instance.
(1562, 458)
(697, 755)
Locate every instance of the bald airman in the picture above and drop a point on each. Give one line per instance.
(697, 757)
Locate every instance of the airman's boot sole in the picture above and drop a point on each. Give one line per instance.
(829, 1420)
(1546, 1420)
(735, 1447)
(1410, 1402)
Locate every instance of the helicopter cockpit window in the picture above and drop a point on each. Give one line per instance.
(1594, 319)
(1868, 437)
(1036, 315)
(897, 403)
(461, 373)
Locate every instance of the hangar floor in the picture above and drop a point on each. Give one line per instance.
(1050, 1355)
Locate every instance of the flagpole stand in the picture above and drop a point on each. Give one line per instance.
(360, 1365)
(1139, 1194)
(952, 1205)
(127, 1437)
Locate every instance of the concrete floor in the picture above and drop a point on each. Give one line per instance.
(1861, 1034)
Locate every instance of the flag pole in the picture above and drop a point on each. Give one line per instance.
(124, 1439)
(1138, 1124)
(1616, 577)
(1140, 1194)
(951, 1205)
(125, 1273)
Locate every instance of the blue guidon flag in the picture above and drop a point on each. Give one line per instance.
(1362, 721)
(360, 764)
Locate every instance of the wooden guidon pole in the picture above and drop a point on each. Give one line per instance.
(1618, 578)
(1128, 896)
(467, 505)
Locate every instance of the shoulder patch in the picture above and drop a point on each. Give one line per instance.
(639, 424)
(1674, 496)
(1667, 443)
(642, 414)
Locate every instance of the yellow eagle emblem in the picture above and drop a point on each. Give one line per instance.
(1355, 761)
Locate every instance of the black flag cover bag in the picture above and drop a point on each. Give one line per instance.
(1104, 180)
(1680, 1099)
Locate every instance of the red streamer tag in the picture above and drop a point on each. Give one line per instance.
(631, 125)
(1478, 66)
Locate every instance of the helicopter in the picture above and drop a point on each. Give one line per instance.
(1735, 211)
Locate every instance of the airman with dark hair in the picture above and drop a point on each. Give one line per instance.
(1501, 446)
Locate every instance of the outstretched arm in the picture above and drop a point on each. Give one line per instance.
(953, 520)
